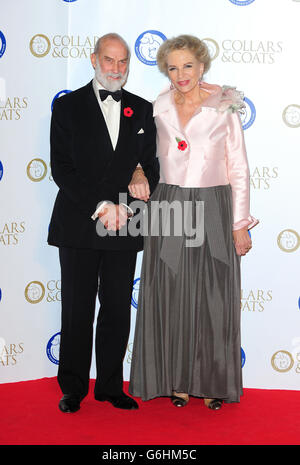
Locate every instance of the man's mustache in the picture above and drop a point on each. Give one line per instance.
(114, 75)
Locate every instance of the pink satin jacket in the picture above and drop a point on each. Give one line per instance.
(213, 148)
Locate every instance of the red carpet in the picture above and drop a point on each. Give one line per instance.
(30, 416)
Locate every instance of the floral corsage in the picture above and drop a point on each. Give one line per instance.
(182, 145)
(232, 100)
(128, 112)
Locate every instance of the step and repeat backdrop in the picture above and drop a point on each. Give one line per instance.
(45, 49)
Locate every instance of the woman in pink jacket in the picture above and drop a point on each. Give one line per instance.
(187, 336)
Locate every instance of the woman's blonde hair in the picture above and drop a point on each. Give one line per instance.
(197, 47)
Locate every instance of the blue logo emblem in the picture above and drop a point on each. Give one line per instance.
(53, 348)
(298, 301)
(147, 45)
(0, 294)
(1, 170)
(243, 357)
(59, 94)
(70, 1)
(241, 2)
(249, 114)
(135, 293)
(2, 44)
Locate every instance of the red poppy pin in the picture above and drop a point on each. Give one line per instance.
(128, 112)
(182, 145)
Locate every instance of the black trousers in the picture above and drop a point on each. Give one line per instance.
(84, 274)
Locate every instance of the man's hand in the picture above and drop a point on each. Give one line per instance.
(139, 186)
(113, 216)
(242, 241)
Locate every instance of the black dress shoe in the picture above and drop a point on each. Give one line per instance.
(69, 403)
(215, 404)
(122, 401)
(178, 401)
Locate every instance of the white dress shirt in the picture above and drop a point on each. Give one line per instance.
(111, 111)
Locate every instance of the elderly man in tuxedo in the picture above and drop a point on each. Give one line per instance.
(99, 134)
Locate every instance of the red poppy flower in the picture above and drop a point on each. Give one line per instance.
(128, 112)
(182, 145)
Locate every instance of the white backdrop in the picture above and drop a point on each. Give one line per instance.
(44, 52)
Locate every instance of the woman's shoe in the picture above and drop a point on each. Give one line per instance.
(213, 404)
(179, 401)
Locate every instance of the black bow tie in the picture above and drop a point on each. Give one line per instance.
(115, 95)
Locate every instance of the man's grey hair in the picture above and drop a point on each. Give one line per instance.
(111, 35)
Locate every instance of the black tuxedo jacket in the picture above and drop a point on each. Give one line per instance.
(88, 170)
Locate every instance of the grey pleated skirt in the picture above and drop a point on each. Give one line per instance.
(187, 334)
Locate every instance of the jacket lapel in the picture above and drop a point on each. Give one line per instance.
(165, 108)
(98, 125)
(97, 122)
(126, 122)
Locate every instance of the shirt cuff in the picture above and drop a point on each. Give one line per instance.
(248, 223)
(95, 215)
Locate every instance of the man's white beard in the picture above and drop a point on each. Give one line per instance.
(109, 84)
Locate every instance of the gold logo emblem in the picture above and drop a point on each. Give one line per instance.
(213, 48)
(39, 45)
(36, 170)
(34, 292)
(288, 240)
(282, 361)
(291, 116)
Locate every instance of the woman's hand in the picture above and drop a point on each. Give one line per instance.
(242, 241)
(139, 186)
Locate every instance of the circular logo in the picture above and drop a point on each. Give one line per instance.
(243, 357)
(291, 116)
(249, 114)
(1, 170)
(282, 361)
(213, 48)
(70, 1)
(34, 292)
(135, 293)
(59, 94)
(147, 45)
(2, 44)
(241, 2)
(52, 349)
(39, 45)
(36, 170)
(0, 294)
(288, 240)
